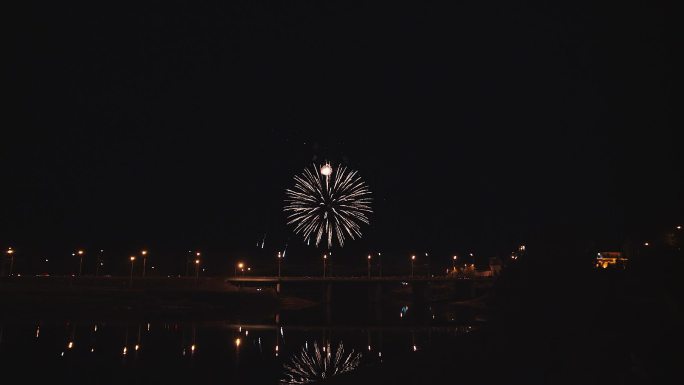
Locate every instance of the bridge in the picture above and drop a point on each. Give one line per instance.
(275, 279)
(419, 284)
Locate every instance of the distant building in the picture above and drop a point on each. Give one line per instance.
(610, 259)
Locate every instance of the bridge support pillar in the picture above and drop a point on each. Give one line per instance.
(420, 291)
(328, 293)
(375, 293)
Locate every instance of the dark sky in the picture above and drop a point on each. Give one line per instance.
(177, 125)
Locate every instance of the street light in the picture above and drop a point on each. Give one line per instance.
(189, 260)
(132, 263)
(99, 263)
(144, 255)
(453, 262)
(239, 265)
(427, 259)
(10, 254)
(280, 258)
(325, 261)
(380, 264)
(197, 263)
(369, 267)
(80, 264)
(413, 258)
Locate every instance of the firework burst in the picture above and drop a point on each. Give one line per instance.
(306, 367)
(328, 203)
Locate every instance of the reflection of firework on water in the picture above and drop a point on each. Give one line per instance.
(306, 367)
(328, 203)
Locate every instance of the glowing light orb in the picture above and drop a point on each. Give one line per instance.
(326, 169)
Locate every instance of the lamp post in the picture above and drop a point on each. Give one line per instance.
(188, 261)
(325, 261)
(280, 258)
(380, 264)
(80, 263)
(240, 266)
(10, 254)
(197, 255)
(197, 263)
(413, 259)
(369, 265)
(453, 262)
(144, 257)
(132, 263)
(427, 258)
(99, 262)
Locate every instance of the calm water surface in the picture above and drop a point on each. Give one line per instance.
(258, 351)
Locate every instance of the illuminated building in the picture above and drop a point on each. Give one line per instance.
(610, 259)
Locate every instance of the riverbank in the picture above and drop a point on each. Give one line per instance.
(121, 298)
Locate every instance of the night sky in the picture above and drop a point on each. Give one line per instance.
(178, 125)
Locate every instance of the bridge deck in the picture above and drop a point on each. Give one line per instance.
(270, 279)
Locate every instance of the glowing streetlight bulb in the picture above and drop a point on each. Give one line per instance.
(237, 342)
(197, 261)
(132, 258)
(144, 252)
(80, 252)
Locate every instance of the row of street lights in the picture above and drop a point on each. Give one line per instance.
(143, 253)
(369, 259)
(81, 254)
(239, 266)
